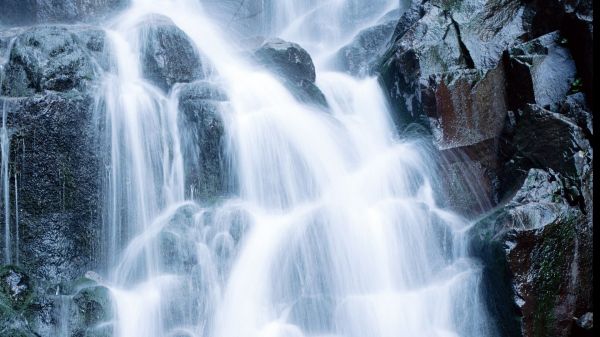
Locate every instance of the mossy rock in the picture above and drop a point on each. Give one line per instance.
(16, 290)
(93, 305)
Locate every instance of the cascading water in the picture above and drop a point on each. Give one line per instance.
(333, 229)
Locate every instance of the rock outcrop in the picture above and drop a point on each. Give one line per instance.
(168, 55)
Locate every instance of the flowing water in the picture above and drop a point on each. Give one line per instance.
(332, 228)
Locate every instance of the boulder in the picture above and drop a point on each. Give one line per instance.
(92, 306)
(294, 66)
(168, 56)
(540, 72)
(55, 180)
(536, 252)
(58, 58)
(24, 12)
(361, 55)
(201, 105)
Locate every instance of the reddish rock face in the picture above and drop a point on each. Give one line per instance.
(466, 107)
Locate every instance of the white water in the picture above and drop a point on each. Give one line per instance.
(334, 230)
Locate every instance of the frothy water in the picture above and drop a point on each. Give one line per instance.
(333, 228)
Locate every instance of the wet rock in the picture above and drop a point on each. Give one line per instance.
(55, 177)
(586, 321)
(201, 105)
(470, 178)
(294, 66)
(361, 55)
(168, 55)
(488, 27)
(177, 245)
(574, 19)
(22, 12)
(536, 251)
(540, 71)
(575, 108)
(465, 107)
(543, 139)
(430, 45)
(15, 288)
(93, 306)
(58, 58)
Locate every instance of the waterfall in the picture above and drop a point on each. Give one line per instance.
(5, 173)
(332, 229)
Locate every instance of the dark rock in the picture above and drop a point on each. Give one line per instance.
(168, 56)
(294, 66)
(201, 105)
(586, 321)
(537, 247)
(488, 27)
(543, 139)
(575, 108)
(429, 46)
(58, 58)
(23, 12)
(361, 55)
(443, 37)
(574, 19)
(540, 72)
(470, 178)
(55, 160)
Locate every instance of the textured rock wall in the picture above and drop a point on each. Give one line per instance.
(503, 89)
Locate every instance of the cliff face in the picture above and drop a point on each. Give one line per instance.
(504, 89)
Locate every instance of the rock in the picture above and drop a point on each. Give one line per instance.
(55, 162)
(442, 36)
(586, 321)
(574, 19)
(58, 58)
(470, 178)
(93, 306)
(488, 27)
(201, 125)
(168, 56)
(537, 247)
(294, 66)
(543, 139)
(360, 56)
(430, 45)
(575, 108)
(176, 241)
(540, 72)
(23, 12)
(465, 107)
(15, 287)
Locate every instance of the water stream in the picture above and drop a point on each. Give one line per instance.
(333, 228)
